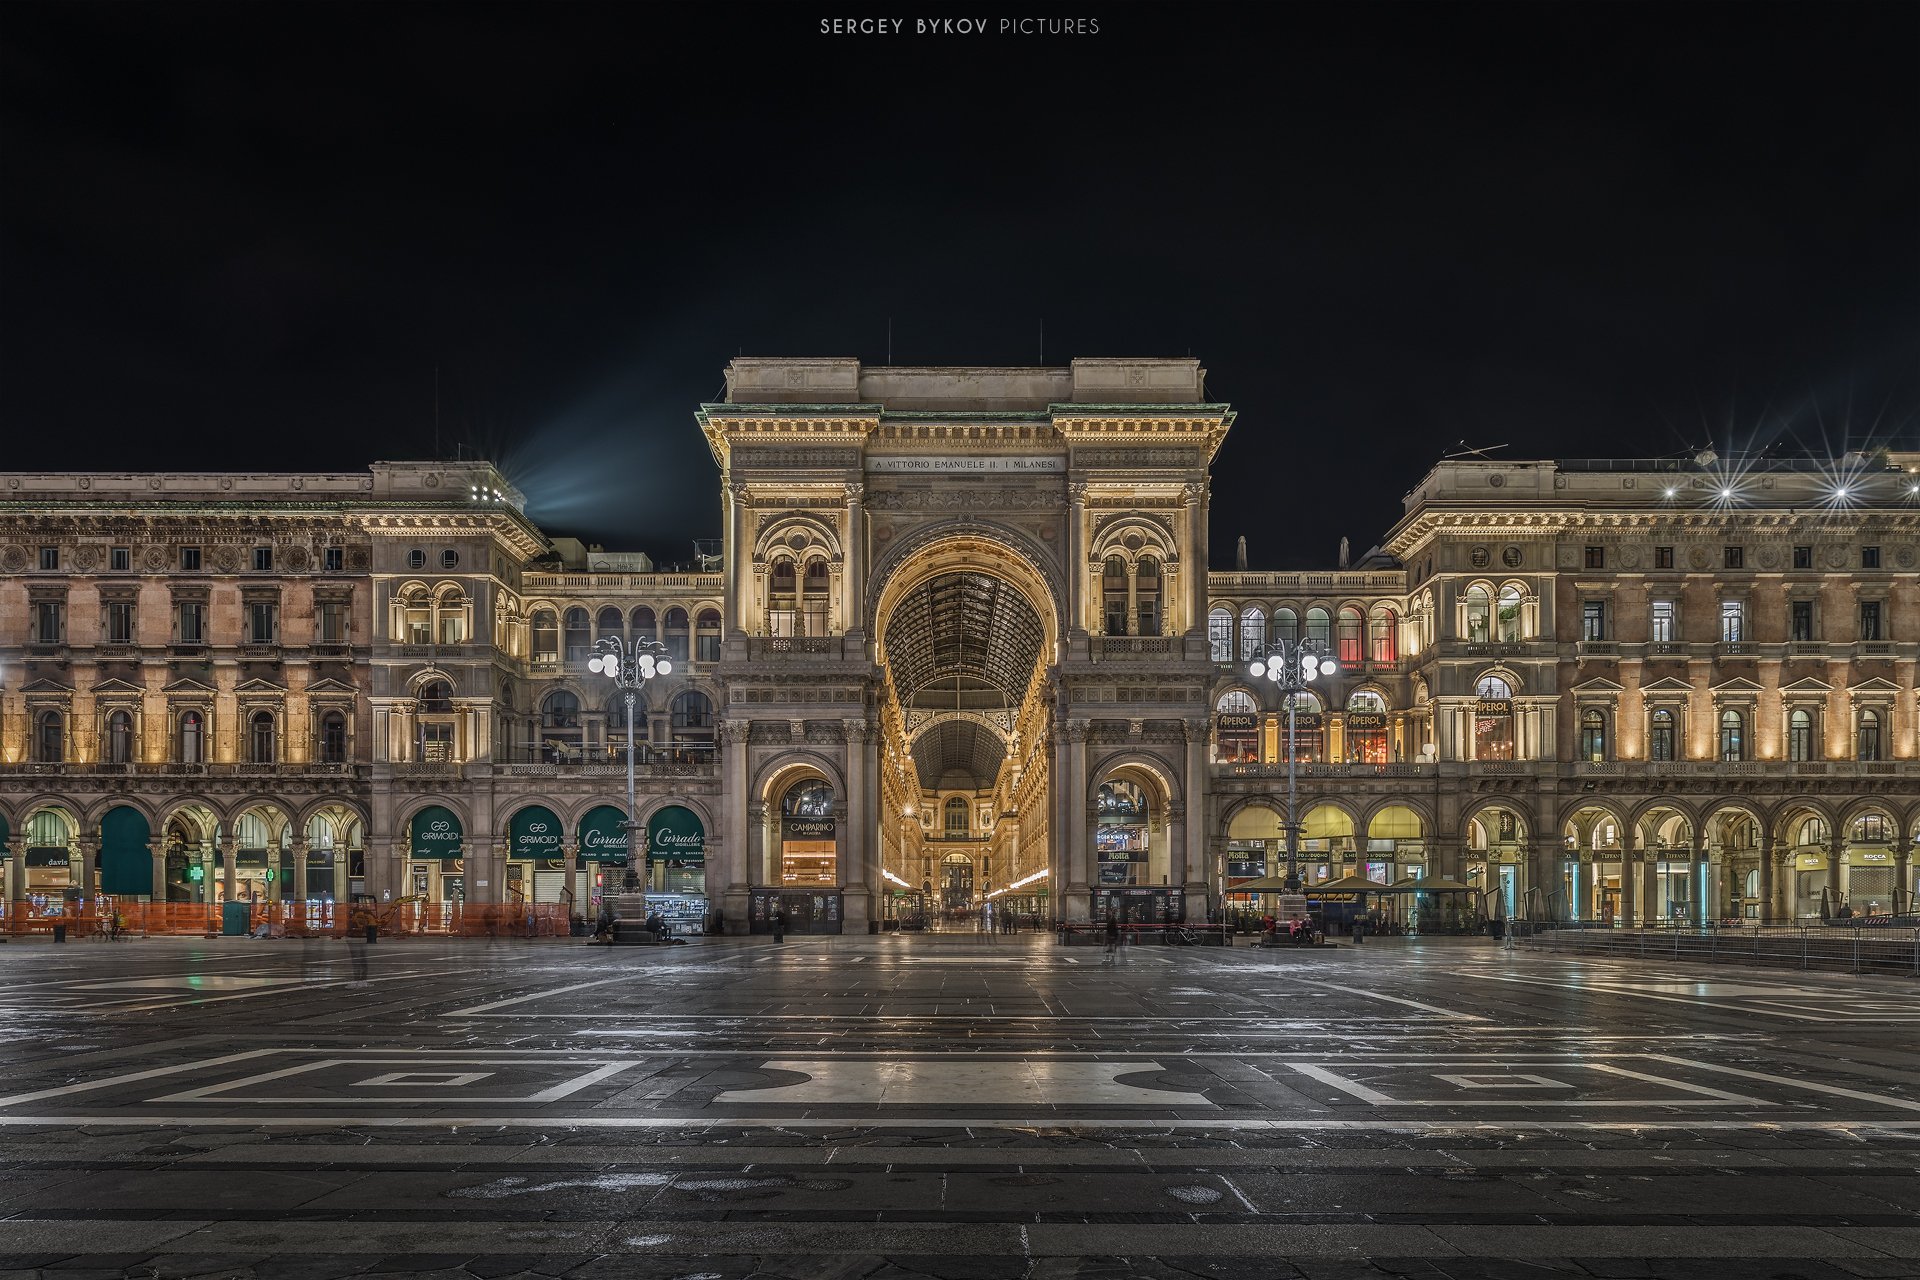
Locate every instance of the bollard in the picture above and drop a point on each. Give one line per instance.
(59, 933)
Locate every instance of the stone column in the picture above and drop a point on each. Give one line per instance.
(1698, 890)
(1195, 874)
(570, 857)
(1630, 854)
(230, 868)
(273, 876)
(383, 859)
(13, 883)
(157, 853)
(476, 863)
(1903, 873)
(1080, 858)
(1177, 849)
(856, 561)
(864, 881)
(1133, 601)
(1650, 884)
(1837, 870)
(1076, 558)
(85, 849)
(1542, 857)
(739, 559)
(1769, 873)
(1193, 498)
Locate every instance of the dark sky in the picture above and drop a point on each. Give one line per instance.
(244, 236)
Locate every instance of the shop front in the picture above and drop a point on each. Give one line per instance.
(1121, 835)
(126, 864)
(677, 869)
(48, 861)
(1140, 905)
(603, 854)
(536, 867)
(808, 893)
(435, 852)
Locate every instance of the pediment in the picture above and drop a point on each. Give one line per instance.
(1876, 685)
(44, 685)
(188, 685)
(1667, 685)
(114, 686)
(259, 686)
(1599, 685)
(331, 688)
(1739, 684)
(1807, 685)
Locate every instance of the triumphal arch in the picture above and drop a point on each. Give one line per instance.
(965, 632)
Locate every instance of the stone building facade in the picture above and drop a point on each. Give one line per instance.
(960, 646)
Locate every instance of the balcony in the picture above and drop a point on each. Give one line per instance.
(788, 648)
(1598, 648)
(1109, 647)
(1667, 648)
(1737, 648)
(1314, 769)
(650, 762)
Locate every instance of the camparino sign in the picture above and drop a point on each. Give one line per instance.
(536, 834)
(676, 834)
(603, 836)
(436, 833)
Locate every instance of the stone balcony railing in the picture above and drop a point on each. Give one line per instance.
(171, 770)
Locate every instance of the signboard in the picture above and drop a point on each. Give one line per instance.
(48, 856)
(436, 833)
(603, 836)
(1858, 856)
(1366, 720)
(1493, 707)
(806, 828)
(1237, 721)
(535, 834)
(676, 834)
(1810, 862)
(946, 464)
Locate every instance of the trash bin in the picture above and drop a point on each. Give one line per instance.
(373, 933)
(59, 931)
(234, 917)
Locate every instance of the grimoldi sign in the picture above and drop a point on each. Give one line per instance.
(944, 464)
(807, 828)
(603, 835)
(537, 834)
(436, 833)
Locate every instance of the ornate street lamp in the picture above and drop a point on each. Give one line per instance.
(630, 667)
(1293, 666)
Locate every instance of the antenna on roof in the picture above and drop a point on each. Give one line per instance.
(889, 341)
(1461, 449)
(436, 413)
(1043, 340)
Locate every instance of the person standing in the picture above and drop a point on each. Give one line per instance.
(1113, 938)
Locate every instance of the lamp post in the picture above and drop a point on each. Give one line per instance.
(1293, 666)
(629, 667)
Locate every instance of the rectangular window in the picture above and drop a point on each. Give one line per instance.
(260, 620)
(49, 557)
(1733, 621)
(1593, 620)
(189, 559)
(1870, 620)
(190, 622)
(1802, 619)
(707, 646)
(120, 622)
(1663, 557)
(1596, 557)
(1803, 557)
(120, 559)
(262, 559)
(46, 621)
(336, 559)
(1869, 557)
(1664, 631)
(331, 618)
(1736, 557)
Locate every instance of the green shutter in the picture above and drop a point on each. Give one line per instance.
(535, 833)
(126, 867)
(603, 836)
(436, 833)
(676, 834)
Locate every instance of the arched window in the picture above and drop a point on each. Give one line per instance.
(436, 697)
(692, 716)
(783, 598)
(1509, 615)
(814, 598)
(1813, 832)
(1236, 738)
(1146, 593)
(956, 818)
(260, 737)
(677, 634)
(546, 636)
(610, 622)
(1367, 727)
(450, 610)
(810, 799)
(1253, 634)
(193, 738)
(416, 617)
(1384, 640)
(1121, 836)
(1308, 725)
(1593, 734)
(1286, 624)
(1352, 637)
(1479, 609)
(1319, 627)
(707, 636)
(1733, 735)
(119, 738)
(1800, 735)
(1660, 734)
(50, 738)
(561, 737)
(333, 738)
(643, 624)
(1494, 687)
(1220, 635)
(1113, 592)
(49, 829)
(1866, 738)
(1493, 719)
(1872, 828)
(560, 710)
(579, 635)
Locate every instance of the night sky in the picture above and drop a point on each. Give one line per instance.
(245, 236)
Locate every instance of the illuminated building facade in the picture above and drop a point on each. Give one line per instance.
(958, 647)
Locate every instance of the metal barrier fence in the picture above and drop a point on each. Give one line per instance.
(1171, 935)
(1844, 950)
(106, 917)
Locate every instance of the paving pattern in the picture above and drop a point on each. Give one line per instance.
(945, 1106)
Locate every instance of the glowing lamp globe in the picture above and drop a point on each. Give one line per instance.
(1258, 669)
(593, 665)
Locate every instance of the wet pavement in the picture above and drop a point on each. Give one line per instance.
(946, 1106)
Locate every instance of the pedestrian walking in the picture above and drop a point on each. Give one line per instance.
(1113, 939)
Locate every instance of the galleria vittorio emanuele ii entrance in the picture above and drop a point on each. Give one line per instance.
(963, 651)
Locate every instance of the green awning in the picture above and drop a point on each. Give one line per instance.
(603, 836)
(676, 834)
(535, 834)
(436, 833)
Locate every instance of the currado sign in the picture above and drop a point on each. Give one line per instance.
(603, 836)
(676, 834)
(535, 834)
(436, 833)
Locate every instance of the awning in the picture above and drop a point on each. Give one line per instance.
(603, 836)
(535, 834)
(1263, 884)
(676, 834)
(1428, 884)
(436, 833)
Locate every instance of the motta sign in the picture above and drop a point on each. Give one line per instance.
(943, 464)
